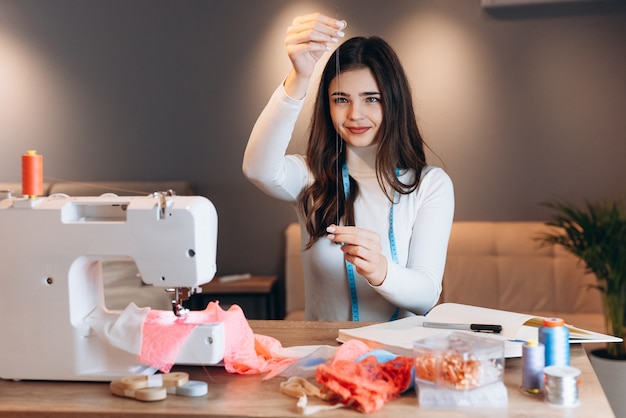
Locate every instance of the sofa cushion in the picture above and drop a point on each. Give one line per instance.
(501, 265)
(294, 282)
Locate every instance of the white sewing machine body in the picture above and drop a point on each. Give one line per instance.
(51, 278)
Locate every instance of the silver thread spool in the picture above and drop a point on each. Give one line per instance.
(533, 362)
(561, 385)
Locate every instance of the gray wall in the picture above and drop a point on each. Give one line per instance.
(520, 105)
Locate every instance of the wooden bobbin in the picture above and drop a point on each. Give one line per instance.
(148, 394)
(156, 380)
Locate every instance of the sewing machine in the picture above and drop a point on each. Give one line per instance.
(51, 278)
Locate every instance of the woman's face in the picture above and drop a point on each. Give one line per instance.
(355, 106)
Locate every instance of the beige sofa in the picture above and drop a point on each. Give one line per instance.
(496, 265)
(121, 279)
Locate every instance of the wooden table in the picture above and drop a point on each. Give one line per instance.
(246, 396)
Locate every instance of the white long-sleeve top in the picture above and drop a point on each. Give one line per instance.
(422, 222)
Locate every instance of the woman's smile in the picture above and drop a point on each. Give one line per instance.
(357, 130)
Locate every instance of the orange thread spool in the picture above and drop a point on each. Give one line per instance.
(32, 174)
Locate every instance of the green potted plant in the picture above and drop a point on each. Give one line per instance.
(596, 234)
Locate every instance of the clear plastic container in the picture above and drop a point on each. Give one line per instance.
(458, 360)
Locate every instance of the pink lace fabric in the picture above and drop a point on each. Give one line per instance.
(245, 352)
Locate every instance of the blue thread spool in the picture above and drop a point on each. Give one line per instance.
(533, 360)
(554, 335)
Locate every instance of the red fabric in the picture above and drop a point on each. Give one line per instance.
(368, 384)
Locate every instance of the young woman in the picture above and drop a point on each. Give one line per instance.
(375, 218)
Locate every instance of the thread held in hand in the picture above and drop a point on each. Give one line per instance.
(32, 174)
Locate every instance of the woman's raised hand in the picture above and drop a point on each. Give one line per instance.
(308, 38)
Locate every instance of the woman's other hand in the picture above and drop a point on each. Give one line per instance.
(362, 248)
(308, 38)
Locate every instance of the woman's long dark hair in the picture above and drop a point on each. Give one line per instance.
(400, 145)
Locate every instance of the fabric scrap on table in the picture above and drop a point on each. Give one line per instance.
(356, 376)
(367, 384)
(306, 365)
